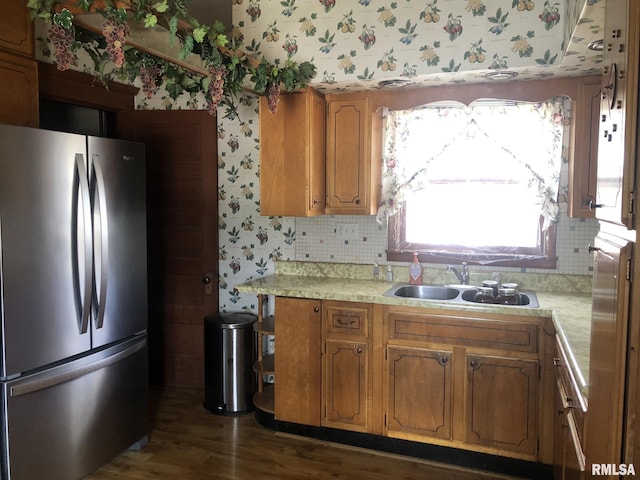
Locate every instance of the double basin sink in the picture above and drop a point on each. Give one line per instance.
(464, 294)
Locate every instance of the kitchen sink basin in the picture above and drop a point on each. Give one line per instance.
(460, 294)
(424, 292)
(527, 299)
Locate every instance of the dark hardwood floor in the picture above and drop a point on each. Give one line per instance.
(186, 442)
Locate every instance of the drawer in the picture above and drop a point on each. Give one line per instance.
(502, 335)
(346, 319)
(572, 400)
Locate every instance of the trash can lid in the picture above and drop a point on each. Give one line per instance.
(231, 320)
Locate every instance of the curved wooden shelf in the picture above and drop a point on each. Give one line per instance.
(265, 366)
(264, 400)
(266, 326)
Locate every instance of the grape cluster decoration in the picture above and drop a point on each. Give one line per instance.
(149, 75)
(115, 34)
(273, 97)
(226, 65)
(62, 39)
(217, 75)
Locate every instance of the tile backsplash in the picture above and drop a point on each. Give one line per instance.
(319, 240)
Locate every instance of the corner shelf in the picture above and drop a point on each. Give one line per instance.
(264, 365)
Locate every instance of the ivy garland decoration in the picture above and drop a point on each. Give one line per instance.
(228, 67)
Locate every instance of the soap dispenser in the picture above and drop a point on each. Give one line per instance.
(415, 271)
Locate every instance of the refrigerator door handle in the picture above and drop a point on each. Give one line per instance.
(104, 241)
(57, 379)
(83, 185)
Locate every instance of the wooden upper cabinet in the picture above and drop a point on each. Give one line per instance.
(584, 158)
(617, 152)
(292, 155)
(16, 29)
(19, 92)
(18, 70)
(354, 163)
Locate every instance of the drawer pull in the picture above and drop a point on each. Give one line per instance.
(345, 322)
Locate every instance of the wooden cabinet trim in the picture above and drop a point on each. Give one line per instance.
(477, 332)
(80, 88)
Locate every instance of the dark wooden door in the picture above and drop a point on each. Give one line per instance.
(181, 154)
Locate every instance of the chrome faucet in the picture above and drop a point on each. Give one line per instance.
(463, 276)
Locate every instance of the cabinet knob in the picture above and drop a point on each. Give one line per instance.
(443, 360)
(359, 350)
(474, 364)
(316, 309)
(357, 202)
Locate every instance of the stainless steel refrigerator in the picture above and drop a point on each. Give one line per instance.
(73, 302)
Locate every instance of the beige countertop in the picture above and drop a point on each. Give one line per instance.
(571, 312)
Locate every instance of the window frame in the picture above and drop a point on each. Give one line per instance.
(537, 90)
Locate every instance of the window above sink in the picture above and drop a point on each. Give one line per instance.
(478, 183)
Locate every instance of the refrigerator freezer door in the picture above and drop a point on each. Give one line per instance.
(117, 173)
(64, 423)
(43, 247)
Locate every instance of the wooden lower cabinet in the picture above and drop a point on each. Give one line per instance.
(457, 379)
(501, 402)
(420, 392)
(443, 377)
(297, 367)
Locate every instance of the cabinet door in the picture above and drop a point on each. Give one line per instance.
(346, 391)
(19, 92)
(348, 157)
(501, 403)
(618, 113)
(584, 159)
(419, 392)
(605, 419)
(298, 333)
(292, 155)
(16, 28)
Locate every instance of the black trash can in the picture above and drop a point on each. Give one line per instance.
(229, 353)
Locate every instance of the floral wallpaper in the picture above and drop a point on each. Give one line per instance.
(355, 44)
(248, 243)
